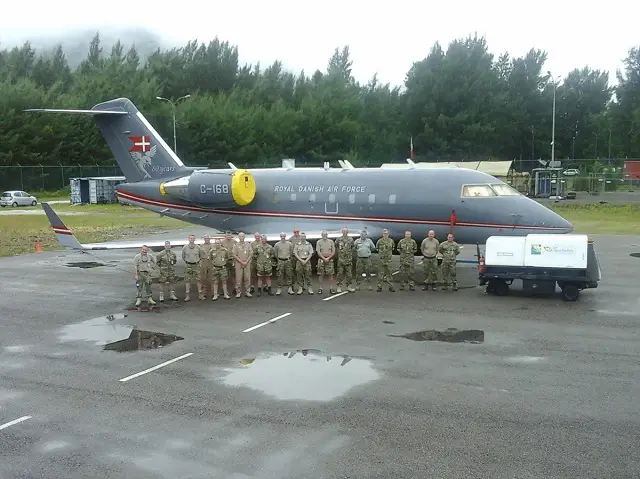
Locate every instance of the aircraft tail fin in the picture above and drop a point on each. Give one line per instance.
(140, 151)
(63, 234)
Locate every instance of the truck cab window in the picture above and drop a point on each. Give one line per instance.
(477, 191)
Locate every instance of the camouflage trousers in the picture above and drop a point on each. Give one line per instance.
(144, 291)
(304, 274)
(192, 273)
(284, 269)
(167, 275)
(406, 268)
(384, 272)
(345, 273)
(363, 265)
(219, 273)
(264, 268)
(449, 276)
(430, 270)
(254, 271)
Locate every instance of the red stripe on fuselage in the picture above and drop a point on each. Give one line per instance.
(375, 219)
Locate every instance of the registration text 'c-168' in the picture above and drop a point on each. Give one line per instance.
(215, 187)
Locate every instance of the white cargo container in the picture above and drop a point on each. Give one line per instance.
(95, 190)
(505, 251)
(556, 251)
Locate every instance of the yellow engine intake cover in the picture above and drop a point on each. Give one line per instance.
(243, 187)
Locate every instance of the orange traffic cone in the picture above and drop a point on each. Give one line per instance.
(38, 247)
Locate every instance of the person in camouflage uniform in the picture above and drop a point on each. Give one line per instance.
(429, 249)
(166, 262)
(345, 260)
(263, 255)
(295, 239)
(303, 253)
(228, 242)
(254, 265)
(407, 248)
(385, 247)
(206, 266)
(219, 257)
(144, 264)
(450, 250)
(192, 255)
(283, 251)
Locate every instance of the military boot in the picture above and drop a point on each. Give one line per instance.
(161, 298)
(150, 301)
(412, 287)
(248, 294)
(299, 290)
(290, 291)
(269, 292)
(187, 290)
(357, 287)
(215, 292)
(379, 289)
(201, 295)
(310, 290)
(259, 291)
(425, 287)
(172, 296)
(392, 289)
(339, 290)
(455, 286)
(225, 291)
(138, 301)
(351, 289)
(278, 291)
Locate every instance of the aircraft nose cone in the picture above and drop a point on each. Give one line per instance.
(539, 215)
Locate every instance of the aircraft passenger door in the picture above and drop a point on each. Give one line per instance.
(331, 208)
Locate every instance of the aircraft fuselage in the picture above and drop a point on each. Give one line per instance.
(419, 200)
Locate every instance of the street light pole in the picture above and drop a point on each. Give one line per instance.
(173, 111)
(553, 121)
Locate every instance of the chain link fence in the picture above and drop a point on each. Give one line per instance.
(608, 176)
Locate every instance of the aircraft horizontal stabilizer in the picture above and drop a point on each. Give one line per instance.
(81, 112)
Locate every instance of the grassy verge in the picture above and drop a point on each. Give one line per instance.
(601, 219)
(18, 233)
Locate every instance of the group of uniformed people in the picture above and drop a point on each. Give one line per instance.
(217, 264)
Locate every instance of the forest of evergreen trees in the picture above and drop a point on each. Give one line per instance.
(458, 103)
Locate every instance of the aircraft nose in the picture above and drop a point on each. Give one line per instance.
(547, 219)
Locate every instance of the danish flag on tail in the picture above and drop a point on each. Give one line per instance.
(141, 144)
(411, 142)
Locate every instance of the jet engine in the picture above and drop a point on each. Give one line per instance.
(213, 187)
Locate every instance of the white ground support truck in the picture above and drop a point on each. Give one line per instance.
(540, 261)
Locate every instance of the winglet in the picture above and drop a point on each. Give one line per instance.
(63, 234)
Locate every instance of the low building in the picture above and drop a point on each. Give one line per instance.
(95, 190)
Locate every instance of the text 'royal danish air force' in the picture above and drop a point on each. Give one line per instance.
(320, 189)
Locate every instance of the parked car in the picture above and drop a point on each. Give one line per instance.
(17, 198)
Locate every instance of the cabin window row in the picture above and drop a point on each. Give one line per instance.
(371, 199)
(486, 191)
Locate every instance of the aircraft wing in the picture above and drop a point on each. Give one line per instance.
(67, 239)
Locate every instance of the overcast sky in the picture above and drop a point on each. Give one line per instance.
(385, 37)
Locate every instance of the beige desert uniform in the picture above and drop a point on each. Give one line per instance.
(429, 249)
(244, 252)
(191, 255)
(303, 250)
(325, 247)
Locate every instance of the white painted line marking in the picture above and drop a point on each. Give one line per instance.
(329, 298)
(15, 421)
(273, 320)
(156, 367)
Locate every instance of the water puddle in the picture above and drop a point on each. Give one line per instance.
(140, 340)
(451, 335)
(304, 374)
(85, 264)
(106, 331)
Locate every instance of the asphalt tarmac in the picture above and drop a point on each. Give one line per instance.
(311, 387)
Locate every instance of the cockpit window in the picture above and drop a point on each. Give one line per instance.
(505, 190)
(475, 191)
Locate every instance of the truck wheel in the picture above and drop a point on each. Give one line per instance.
(500, 288)
(570, 292)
